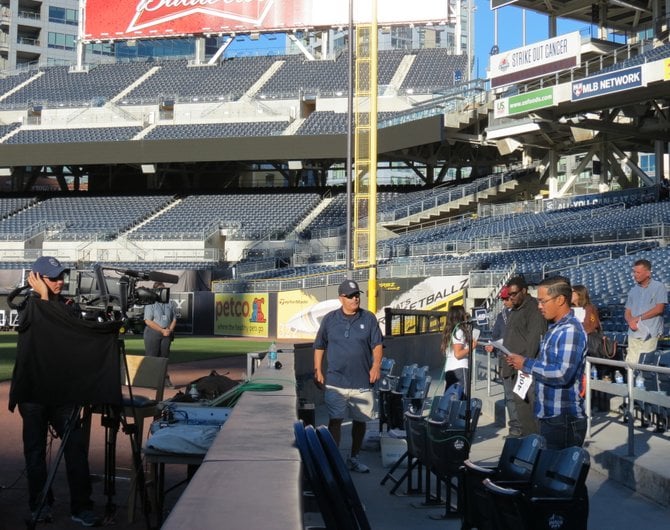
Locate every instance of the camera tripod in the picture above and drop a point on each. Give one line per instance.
(113, 418)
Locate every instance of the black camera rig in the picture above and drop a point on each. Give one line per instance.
(107, 293)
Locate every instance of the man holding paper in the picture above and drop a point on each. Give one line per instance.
(524, 329)
(557, 371)
(644, 311)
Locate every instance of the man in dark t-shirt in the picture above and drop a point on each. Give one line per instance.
(351, 340)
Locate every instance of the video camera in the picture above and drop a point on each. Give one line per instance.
(107, 293)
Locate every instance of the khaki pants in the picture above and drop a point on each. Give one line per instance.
(637, 347)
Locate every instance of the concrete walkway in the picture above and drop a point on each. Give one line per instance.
(613, 505)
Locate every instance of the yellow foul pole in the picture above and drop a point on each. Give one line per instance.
(365, 153)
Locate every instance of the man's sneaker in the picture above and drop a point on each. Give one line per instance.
(355, 465)
(86, 518)
(45, 515)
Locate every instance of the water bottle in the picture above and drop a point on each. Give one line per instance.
(639, 381)
(618, 378)
(594, 372)
(272, 355)
(193, 392)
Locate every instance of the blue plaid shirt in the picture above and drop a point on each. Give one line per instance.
(557, 371)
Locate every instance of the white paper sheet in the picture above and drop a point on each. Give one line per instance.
(522, 384)
(498, 345)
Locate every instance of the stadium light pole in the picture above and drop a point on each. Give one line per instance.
(350, 135)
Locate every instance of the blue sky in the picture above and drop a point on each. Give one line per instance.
(509, 31)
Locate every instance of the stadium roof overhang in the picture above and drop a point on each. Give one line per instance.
(623, 15)
(252, 149)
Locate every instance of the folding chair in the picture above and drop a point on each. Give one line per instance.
(556, 498)
(342, 476)
(330, 487)
(448, 446)
(317, 486)
(515, 467)
(146, 377)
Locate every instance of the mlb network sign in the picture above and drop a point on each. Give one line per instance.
(599, 85)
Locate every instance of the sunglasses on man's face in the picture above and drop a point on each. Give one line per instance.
(350, 296)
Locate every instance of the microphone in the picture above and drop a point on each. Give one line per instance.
(153, 276)
(162, 277)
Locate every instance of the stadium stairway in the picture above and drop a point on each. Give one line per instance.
(21, 85)
(250, 94)
(399, 76)
(137, 83)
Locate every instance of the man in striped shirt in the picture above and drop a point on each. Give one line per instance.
(557, 371)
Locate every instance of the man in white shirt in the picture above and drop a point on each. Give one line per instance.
(644, 311)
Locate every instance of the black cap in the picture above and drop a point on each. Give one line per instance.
(347, 288)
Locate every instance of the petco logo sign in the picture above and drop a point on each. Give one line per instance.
(607, 83)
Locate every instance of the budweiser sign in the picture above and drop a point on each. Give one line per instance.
(150, 13)
(128, 19)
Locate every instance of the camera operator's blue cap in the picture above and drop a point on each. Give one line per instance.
(48, 266)
(347, 288)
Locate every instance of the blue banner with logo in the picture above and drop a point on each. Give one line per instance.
(599, 85)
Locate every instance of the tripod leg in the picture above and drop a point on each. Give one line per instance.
(74, 417)
(111, 422)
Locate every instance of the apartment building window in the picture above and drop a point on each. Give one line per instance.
(60, 15)
(61, 41)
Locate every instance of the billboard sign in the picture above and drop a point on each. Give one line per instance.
(299, 314)
(522, 103)
(535, 60)
(131, 19)
(599, 85)
(241, 315)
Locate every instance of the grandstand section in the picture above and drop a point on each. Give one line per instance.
(242, 165)
(254, 97)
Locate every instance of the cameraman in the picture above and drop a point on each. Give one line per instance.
(160, 319)
(46, 280)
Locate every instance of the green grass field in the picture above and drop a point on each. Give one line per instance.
(183, 349)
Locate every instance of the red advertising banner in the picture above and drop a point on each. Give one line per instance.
(131, 19)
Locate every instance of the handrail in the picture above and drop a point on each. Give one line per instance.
(625, 390)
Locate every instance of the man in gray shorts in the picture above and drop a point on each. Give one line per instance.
(352, 342)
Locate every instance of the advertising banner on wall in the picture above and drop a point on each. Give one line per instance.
(436, 293)
(241, 315)
(184, 308)
(535, 60)
(130, 19)
(522, 103)
(599, 85)
(299, 314)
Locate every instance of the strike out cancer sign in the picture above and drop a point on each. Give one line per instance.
(129, 19)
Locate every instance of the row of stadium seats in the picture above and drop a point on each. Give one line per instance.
(175, 80)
